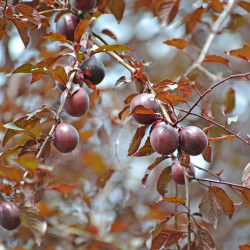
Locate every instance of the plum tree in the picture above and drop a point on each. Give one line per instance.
(77, 104)
(84, 5)
(193, 140)
(9, 216)
(148, 101)
(94, 68)
(66, 25)
(65, 138)
(178, 174)
(164, 139)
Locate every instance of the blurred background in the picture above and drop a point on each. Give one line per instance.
(124, 212)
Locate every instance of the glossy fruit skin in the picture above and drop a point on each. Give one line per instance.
(77, 104)
(66, 138)
(156, 124)
(84, 5)
(178, 174)
(148, 101)
(66, 25)
(9, 216)
(164, 139)
(193, 140)
(95, 69)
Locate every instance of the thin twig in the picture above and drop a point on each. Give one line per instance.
(215, 28)
(208, 90)
(217, 124)
(55, 10)
(219, 182)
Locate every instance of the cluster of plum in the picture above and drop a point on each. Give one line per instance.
(66, 138)
(9, 216)
(165, 139)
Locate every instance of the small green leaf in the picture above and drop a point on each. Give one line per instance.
(115, 47)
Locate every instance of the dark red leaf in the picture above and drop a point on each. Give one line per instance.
(23, 31)
(11, 173)
(216, 59)
(244, 247)
(178, 43)
(136, 141)
(225, 201)
(80, 29)
(157, 161)
(109, 33)
(176, 200)
(139, 109)
(58, 37)
(63, 188)
(168, 98)
(192, 19)
(245, 5)
(129, 98)
(243, 53)
(163, 180)
(145, 150)
(59, 74)
(207, 153)
(229, 101)
(103, 178)
(117, 8)
(209, 207)
(245, 195)
(31, 14)
(204, 239)
(166, 10)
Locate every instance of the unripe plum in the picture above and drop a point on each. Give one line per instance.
(77, 104)
(66, 138)
(148, 101)
(193, 140)
(66, 25)
(164, 139)
(9, 216)
(84, 5)
(178, 174)
(95, 69)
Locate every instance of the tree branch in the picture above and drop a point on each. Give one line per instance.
(208, 90)
(217, 124)
(215, 28)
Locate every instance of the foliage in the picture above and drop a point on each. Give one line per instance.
(92, 198)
